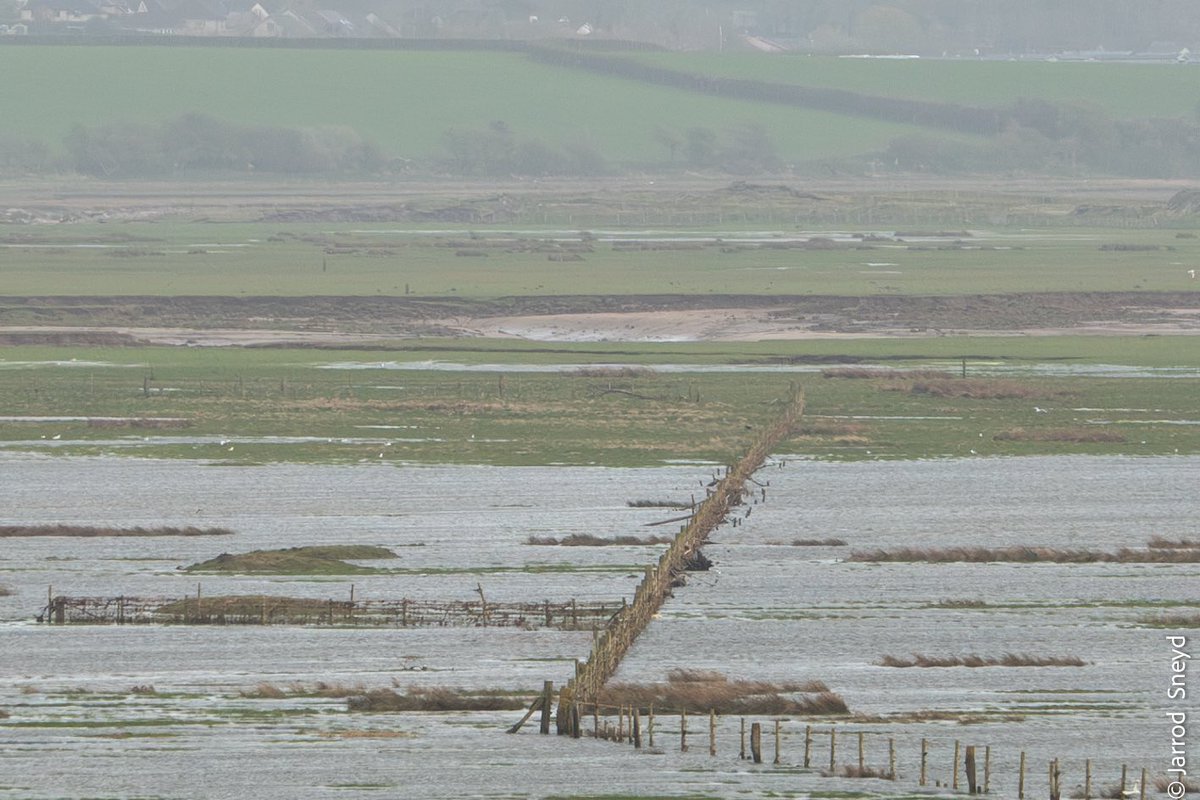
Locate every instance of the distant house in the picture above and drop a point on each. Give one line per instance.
(334, 23)
(60, 11)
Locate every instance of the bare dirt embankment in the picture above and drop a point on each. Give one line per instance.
(365, 322)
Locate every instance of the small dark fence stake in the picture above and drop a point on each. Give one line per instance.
(756, 742)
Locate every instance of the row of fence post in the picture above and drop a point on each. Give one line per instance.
(970, 770)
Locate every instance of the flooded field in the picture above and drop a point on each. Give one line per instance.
(83, 720)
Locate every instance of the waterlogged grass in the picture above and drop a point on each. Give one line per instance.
(369, 259)
(248, 406)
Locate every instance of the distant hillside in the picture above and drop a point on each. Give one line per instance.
(118, 110)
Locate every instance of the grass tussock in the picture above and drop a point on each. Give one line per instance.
(855, 771)
(317, 560)
(1074, 434)
(978, 389)
(1159, 543)
(870, 373)
(973, 660)
(1170, 620)
(657, 504)
(700, 691)
(588, 540)
(144, 689)
(818, 543)
(1023, 554)
(5, 591)
(437, 698)
(91, 530)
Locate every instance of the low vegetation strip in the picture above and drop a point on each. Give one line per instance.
(696, 691)
(92, 530)
(973, 660)
(587, 540)
(1024, 554)
(435, 698)
(318, 560)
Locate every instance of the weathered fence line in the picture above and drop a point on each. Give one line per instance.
(265, 610)
(611, 644)
(973, 763)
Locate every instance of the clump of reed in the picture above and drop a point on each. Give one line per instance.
(973, 660)
(869, 373)
(588, 540)
(269, 691)
(1025, 554)
(144, 689)
(614, 372)
(1078, 435)
(657, 504)
(979, 389)
(434, 698)
(958, 603)
(1161, 782)
(855, 771)
(701, 691)
(818, 543)
(5, 591)
(1159, 543)
(93, 530)
(1170, 620)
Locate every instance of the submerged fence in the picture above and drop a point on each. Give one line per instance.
(266, 610)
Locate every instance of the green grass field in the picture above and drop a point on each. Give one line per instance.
(292, 260)
(1122, 90)
(403, 101)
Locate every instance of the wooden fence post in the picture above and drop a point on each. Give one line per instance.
(1124, 776)
(1087, 779)
(776, 742)
(807, 746)
(832, 749)
(891, 759)
(742, 740)
(651, 730)
(861, 753)
(1142, 790)
(954, 785)
(712, 732)
(683, 731)
(925, 759)
(756, 742)
(547, 701)
(637, 728)
(1021, 778)
(972, 786)
(987, 769)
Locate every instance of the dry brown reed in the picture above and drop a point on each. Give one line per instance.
(90, 530)
(883, 373)
(1171, 620)
(436, 698)
(979, 389)
(973, 660)
(657, 504)
(269, 691)
(1160, 543)
(1161, 782)
(1075, 434)
(588, 540)
(701, 691)
(855, 771)
(5, 591)
(818, 543)
(1024, 554)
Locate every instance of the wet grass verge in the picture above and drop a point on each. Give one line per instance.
(10, 531)
(436, 698)
(700, 691)
(1072, 434)
(972, 660)
(1170, 621)
(1025, 554)
(588, 540)
(316, 560)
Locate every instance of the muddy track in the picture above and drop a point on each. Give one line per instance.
(327, 319)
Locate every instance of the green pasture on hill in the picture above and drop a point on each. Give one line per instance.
(1121, 90)
(258, 259)
(403, 101)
